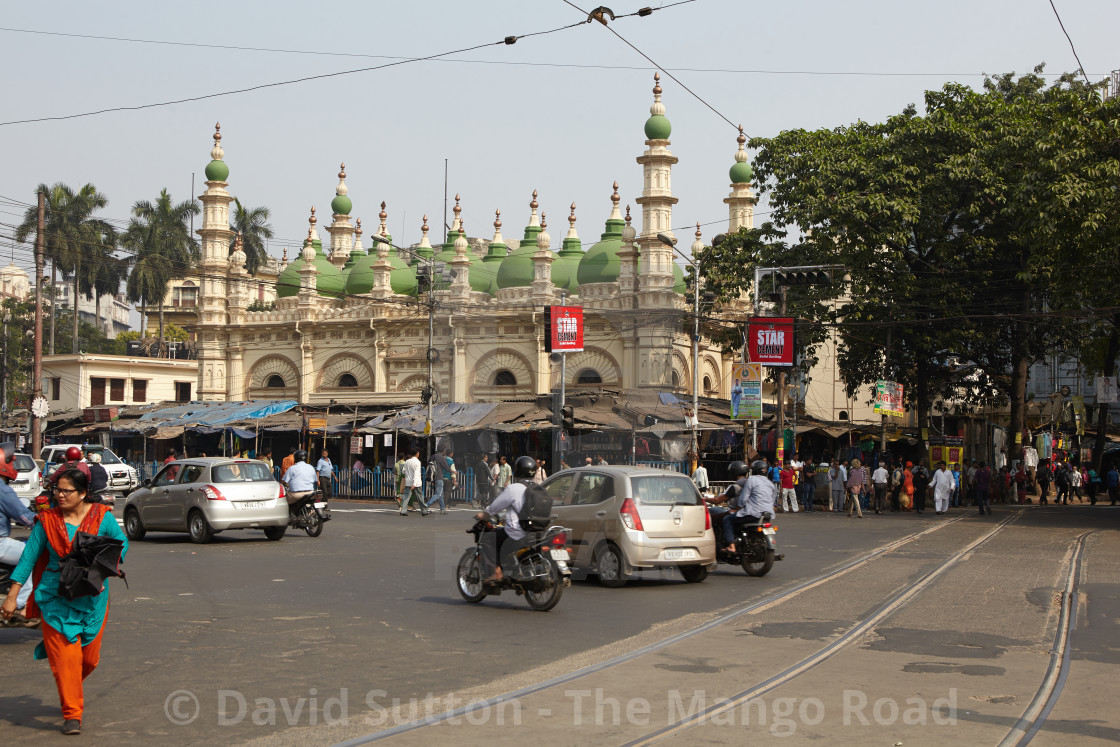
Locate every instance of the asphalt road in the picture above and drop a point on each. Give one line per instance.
(322, 640)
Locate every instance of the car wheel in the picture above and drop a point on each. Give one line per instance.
(275, 533)
(694, 574)
(200, 530)
(610, 567)
(133, 527)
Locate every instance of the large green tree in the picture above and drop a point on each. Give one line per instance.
(162, 246)
(253, 225)
(72, 234)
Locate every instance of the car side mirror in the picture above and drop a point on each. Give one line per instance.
(145, 483)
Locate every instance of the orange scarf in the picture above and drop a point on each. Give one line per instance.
(54, 526)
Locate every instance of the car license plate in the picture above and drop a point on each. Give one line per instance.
(768, 531)
(19, 482)
(321, 504)
(679, 554)
(560, 555)
(250, 504)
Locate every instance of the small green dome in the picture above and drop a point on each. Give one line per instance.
(341, 205)
(217, 171)
(357, 273)
(679, 284)
(402, 277)
(658, 127)
(329, 280)
(287, 282)
(742, 173)
(601, 264)
(485, 272)
(565, 270)
(516, 270)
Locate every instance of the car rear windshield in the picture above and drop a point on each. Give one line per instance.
(241, 472)
(24, 463)
(665, 490)
(107, 456)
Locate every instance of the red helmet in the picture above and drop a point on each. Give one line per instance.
(8, 470)
(73, 454)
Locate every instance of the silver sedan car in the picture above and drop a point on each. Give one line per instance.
(206, 496)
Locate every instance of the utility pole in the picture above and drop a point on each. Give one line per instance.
(37, 361)
(695, 362)
(886, 374)
(431, 351)
(781, 443)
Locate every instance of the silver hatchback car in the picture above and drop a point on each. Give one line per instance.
(628, 519)
(206, 496)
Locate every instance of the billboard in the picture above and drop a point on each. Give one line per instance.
(888, 398)
(565, 329)
(770, 341)
(746, 391)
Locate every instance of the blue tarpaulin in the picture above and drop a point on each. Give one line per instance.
(446, 418)
(210, 414)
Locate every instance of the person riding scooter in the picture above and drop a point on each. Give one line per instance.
(718, 506)
(300, 479)
(755, 498)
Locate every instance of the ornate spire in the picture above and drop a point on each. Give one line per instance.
(357, 238)
(358, 230)
(309, 247)
(497, 228)
(217, 170)
(533, 219)
(698, 245)
(424, 242)
(657, 107)
(741, 172)
(284, 260)
(382, 230)
(460, 243)
(216, 152)
(312, 232)
(341, 188)
(615, 215)
(341, 204)
(657, 126)
(544, 241)
(572, 224)
(455, 222)
(628, 232)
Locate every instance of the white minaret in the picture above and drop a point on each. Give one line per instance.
(382, 267)
(541, 287)
(656, 282)
(342, 233)
(215, 236)
(740, 203)
(461, 264)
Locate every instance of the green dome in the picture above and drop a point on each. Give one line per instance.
(516, 270)
(287, 282)
(600, 264)
(658, 127)
(402, 277)
(217, 171)
(741, 173)
(357, 273)
(341, 205)
(329, 280)
(485, 272)
(565, 270)
(679, 284)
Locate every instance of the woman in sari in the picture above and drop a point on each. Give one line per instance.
(907, 500)
(71, 628)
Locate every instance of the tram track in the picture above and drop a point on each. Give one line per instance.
(1057, 671)
(760, 605)
(893, 605)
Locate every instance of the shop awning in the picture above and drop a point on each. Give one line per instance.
(206, 415)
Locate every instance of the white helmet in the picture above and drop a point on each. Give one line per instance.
(93, 457)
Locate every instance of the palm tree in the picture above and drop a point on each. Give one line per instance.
(102, 274)
(71, 232)
(160, 239)
(254, 227)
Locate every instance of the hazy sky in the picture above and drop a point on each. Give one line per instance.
(561, 113)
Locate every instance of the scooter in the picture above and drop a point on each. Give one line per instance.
(539, 570)
(755, 544)
(309, 513)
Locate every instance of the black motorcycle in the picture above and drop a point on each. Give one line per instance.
(309, 513)
(539, 570)
(755, 546)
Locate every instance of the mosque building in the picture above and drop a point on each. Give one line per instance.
(348, 324)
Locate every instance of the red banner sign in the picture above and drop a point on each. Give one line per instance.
(770, 341)
(565, 329)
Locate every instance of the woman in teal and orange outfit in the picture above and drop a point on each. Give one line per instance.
(71, 629)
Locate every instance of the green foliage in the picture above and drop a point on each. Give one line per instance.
(253, 226)
(261, 306)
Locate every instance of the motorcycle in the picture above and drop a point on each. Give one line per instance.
(309, 513)
(755, 544)
(539, 569)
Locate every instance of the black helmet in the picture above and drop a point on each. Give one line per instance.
(301, 455)
(759, 467)
(525, 467)
(737, 469)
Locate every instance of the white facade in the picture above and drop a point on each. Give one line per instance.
(75, 382)
(111, 315)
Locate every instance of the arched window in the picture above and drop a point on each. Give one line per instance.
(347, 380)
(707, 384)
(505, 377)
(676, 381)
(843, 415)
(589, 376)
(275, 381)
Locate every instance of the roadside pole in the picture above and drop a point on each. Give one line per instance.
(780, 444)
(37, 364)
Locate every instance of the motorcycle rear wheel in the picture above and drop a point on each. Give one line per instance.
(752, 565)
(549, 597)
(468, 578)
(312, 524)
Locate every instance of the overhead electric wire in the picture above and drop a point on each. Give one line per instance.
(1075, 56)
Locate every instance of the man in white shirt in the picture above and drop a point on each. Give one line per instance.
(879, 480)
(700, 477)
(413, 484)
(837, 481)
(326, 472)
(943, 484)
(504, 540)
(300, 478)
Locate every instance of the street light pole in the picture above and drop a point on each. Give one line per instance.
(695, 264)
(37, 360)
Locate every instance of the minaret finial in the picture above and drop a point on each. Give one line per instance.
(424, 226)
(697, 229)
(312, 220)
(382, 230)
(534, 220)
(358, 230)
(544, 222)
(497, 220)
(614, 197)
(534, 204)
(572, 217)
(627, 215)
(657, 83)
(698, 245)
(216, 153)
(657, 108)
(284, 259)
(572, 224)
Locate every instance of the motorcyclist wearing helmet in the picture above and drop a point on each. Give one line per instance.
(98, 476)
(300, 479)
(11, 550)
(74, 459)
(718, 505)
(754, 499)
(506, 506)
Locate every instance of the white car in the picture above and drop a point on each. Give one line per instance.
(26, 484)
(122, 478)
